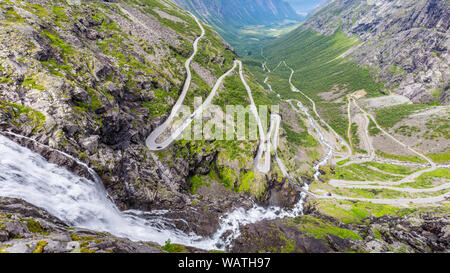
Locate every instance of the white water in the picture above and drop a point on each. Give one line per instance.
(83, 203)
(78, 201)
(241, 217)
(231, 222)
(329, 155)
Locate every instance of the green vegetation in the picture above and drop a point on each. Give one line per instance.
(376, 234)
(11, 16)
(410, 158)
(357, 212)
(235, 93)
(151, 7)
(440, 158)
(156, 109)
(428, 179)
(35, 118)
(319, 229)
(343, 162)
(391, 168)
(247, 180)
(31, 83)
(40, 247)
(304, 139)
(5, 80)
(211, 50)
(334, 114)
(407, 130)
(174, 248)
(439, 173)
(196, 182)
(57, 42)
(313, 57)
(389, 116)
(438, 127)
(35, 227)
(355, 136)
(368, 172)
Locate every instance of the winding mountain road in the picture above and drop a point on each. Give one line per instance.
(262, 161)
(313, 103)
(269, 141)
(151, 140)
(368, 184)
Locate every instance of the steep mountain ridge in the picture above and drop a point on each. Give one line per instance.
(406, 43)
(238, 13)
(244, 24)
(94, 78)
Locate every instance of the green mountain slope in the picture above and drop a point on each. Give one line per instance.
(93, 79)
(405, 43)
(244, 23)
(349, 46)
(238, 13)
(318, 69)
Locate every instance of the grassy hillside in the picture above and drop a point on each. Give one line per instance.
(315, 58)
(318, 66)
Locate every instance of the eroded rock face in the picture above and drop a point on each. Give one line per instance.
(241, 12)
(25, 229)
(93, 81)
(405, 41)
(282, 194)
(317, 233)
(272, 236)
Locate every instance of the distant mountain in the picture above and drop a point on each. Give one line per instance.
(238, 13)
(405, 43)
(319, 6)
(243, 23)
(304, 7)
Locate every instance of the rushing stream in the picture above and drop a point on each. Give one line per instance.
(313, 123)
(79, 201)
(84, 203)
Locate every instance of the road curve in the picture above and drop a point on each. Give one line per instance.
(262, 160)
(368, 184)
(296, 90)
(151, 140)
(403, 201)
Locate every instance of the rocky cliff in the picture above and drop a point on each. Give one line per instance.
(240, 13)
(94, 78)
(244, 24)
(406, 43)
(421, 231)
(25, 228)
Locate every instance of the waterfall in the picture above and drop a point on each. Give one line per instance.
(78, 201)
(83, 203)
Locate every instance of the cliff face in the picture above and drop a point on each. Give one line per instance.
(94, 78)
(25, 228)
(406, 42)
(240, 12)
